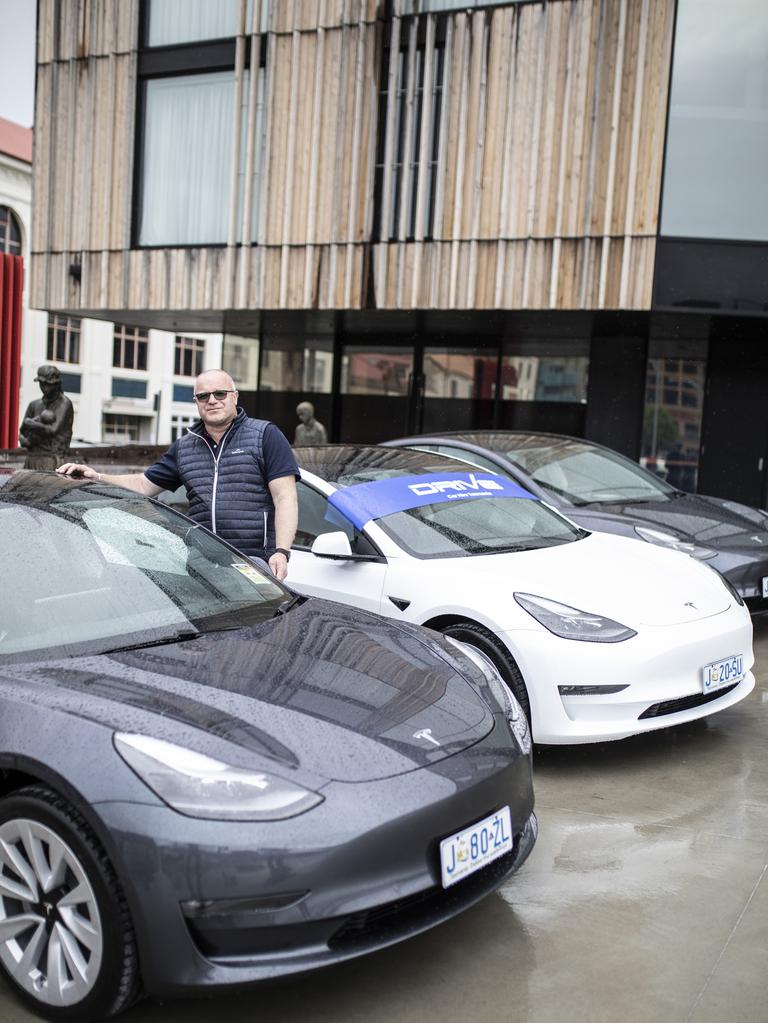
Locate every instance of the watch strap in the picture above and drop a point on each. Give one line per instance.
(281, 550)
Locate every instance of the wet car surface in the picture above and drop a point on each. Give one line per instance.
(645, 899)
(206, 779)
(602, 490)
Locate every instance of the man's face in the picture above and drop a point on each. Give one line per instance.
(216, 412)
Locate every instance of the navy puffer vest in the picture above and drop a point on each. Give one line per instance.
(227, 491)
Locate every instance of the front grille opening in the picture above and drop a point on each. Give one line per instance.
(394, 918)
(658, 710)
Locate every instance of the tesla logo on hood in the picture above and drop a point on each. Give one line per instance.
(689, 603)
(440, 486)
(425, 733)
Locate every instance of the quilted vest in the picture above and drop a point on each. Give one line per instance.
(226, 489)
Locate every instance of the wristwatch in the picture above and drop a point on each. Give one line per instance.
(281, 550)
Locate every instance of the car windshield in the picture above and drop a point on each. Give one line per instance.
(462, 526)
(494, 525)
(581, 474)
(91, 569)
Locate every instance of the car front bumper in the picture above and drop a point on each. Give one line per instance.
(660, 670)
(220, 903)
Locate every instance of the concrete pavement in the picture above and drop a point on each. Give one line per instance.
(645, 899)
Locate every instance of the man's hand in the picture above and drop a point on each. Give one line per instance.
(78, 471)
(278, 564)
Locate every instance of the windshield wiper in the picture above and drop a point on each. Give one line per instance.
(290, 604)
(175, 637)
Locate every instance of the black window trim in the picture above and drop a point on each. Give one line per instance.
(378, 559)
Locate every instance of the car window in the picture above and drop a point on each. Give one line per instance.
(317, 516)
(468, 456)
(104, 570)
(582, 474)
(489, 526)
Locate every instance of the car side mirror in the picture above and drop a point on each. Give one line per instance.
(332, 545)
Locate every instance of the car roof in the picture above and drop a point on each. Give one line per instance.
(342, 462)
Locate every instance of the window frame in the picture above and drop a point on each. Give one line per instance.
(10, 224)
(140, 341)
(72, 328)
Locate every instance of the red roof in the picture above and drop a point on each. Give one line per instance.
(15, 140)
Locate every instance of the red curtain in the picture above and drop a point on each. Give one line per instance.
(11, 285)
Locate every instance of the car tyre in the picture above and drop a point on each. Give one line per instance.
(490, 647)
(76, 957)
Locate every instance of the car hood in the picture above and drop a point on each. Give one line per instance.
(707, 521)
(324, 689)
(632, 582)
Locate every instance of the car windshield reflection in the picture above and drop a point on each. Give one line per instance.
(136, 573)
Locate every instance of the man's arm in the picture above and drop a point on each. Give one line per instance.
(135, 481)
(283, 491)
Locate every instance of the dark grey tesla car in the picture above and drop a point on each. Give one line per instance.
(602, 490)
(206, 779)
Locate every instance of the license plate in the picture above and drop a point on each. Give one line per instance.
(470, 849)
(765, 585)
(723, 673)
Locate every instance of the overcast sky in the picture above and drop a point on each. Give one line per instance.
(17, 60)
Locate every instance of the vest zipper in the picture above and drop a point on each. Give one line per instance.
(215, 473)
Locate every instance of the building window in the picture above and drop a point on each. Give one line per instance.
(432, 6)
(369, 369)
(459, 373)
(406, 169)
(123, 388)
(130, 346)
(180, 425)
(674, 402)
(63, 338)
(545, 369)
(71, 382)
(188, 357)
(715, 181)
(189, 110)
(118, 429)
(10, 232)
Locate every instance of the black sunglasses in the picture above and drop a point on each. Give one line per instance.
(218, 395)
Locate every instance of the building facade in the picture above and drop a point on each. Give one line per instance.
(127, 384)
(426, 214)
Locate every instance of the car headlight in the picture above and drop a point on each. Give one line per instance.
(662, 539)
(199, 786)
(503, 695)
(570, 623)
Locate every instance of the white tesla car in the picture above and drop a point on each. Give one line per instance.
(598, 636)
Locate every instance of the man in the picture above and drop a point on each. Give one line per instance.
(46, 428)
(240, 474)
(308, 431)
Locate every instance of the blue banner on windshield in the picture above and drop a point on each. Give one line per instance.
(366, 501)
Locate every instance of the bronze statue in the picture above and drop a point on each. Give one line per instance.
(308, 431)
(46, 429)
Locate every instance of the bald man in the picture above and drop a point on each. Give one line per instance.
(239, 473)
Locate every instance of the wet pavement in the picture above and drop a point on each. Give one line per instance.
(645, 899)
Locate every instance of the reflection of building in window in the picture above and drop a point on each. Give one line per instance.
(674, 398)
(188, 356)
(10, 232)
(544, 378)
(297, 365)
(451, 374)
(120, 429)
(63, 338)
(369, 372)
(130, 346)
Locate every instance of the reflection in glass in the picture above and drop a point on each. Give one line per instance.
(367, 370)
(715, 181)
(291, 363)
(674, 399)
(240, 358)
(544, 378)
(459, 373)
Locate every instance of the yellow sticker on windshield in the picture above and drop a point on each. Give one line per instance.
(251, 572)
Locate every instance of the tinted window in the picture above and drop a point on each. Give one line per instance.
(316, 516)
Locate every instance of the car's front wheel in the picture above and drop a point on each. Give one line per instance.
(66, 940)
(493, 650)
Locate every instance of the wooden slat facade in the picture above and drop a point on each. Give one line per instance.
(546, 192)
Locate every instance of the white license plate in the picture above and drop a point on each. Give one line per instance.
(470, 849)
(765, 585)
(723, 673)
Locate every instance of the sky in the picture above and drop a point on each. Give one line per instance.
(17, 60)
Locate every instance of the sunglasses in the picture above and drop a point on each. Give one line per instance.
(203, 396)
